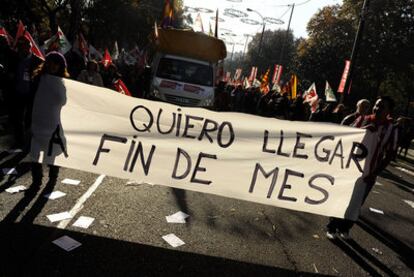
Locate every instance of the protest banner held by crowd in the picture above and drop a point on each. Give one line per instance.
(166, 67)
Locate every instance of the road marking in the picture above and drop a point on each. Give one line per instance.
(405, 170)
(404, 164)
(79, 204)
(409, 202)
(315, 268)
(378, 184)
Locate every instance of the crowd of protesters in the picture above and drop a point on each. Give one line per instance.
(20, 72)
(17, 86)
(278, 105)
(18, 83)
(391, 135)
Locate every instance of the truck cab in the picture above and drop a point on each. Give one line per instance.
(184, 67)
(183, 81)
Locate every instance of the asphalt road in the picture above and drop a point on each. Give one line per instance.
(222, 236)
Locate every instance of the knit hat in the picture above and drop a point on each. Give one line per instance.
(57, 58)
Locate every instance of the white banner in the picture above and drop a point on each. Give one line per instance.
(304, 166)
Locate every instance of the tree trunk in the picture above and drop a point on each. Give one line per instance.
(75, 18)
(377, 87)
(52, 22)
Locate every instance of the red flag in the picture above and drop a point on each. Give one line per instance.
(4, 33)
(227, 77)
(237, 74)
(107, 60)
(80, 46)
(35, 49)
(22, 32)
(219, 73)
(167, 14)
(121, 87)
(277, 74)
(19, 33)
(83, 45)
(344, 77)
(253, 74)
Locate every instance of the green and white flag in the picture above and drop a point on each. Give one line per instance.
(329, 94)
(58, 42)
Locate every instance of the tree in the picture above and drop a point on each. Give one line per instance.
(385, 59)
(321, 57)
(270, 52)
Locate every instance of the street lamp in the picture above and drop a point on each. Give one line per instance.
(264, 26)
(245, 44)
(233, 43)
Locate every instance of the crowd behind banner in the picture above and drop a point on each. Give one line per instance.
(307, 106)
(22, 62)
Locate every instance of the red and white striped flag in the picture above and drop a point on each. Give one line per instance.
(121, 87)
(22, 32)
(253, 74)
(107, 60)
(311, 97)
(237, 74)
(277, 73)
(5, 34)
(341, 87)
(227, 78)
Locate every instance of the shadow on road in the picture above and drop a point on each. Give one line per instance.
(15, 162)
(397, 181)
(181, 199)
(36, 208)
(405, 252)
(29, 251)
(360, 256)
(406, 159)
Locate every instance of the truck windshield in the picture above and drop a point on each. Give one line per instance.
(183, 71)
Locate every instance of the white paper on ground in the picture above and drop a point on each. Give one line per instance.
(71, 182)
(9, 171)
(409, 202)
(171, 219)
(10, 151)
(178, 217)
(55, 195)
(376, 211)
(132, 182)
(59, 216)
(67, 243)
(16, 189)
(173, 240)
(83, 222)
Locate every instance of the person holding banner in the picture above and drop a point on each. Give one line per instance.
(384, 137)
(362, 109)
(22, 66)
(55, 64)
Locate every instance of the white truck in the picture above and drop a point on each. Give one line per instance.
(184, 67)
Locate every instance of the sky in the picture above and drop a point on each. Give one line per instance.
(276, 9)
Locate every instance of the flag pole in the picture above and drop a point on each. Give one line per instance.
(355, 47)
(286, 37)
